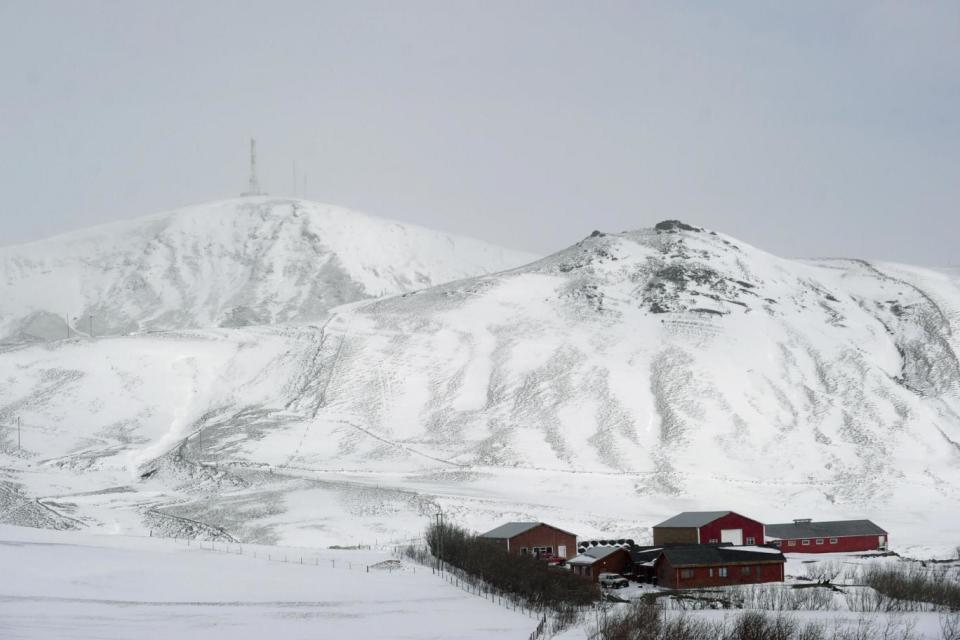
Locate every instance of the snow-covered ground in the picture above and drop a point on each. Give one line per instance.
(75, 585)
(240, 262)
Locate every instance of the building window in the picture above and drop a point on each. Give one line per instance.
(686, 573)
(538, 551)
(722, 572)
(833, 541)
(805, 543)
(744, 571)
(523, 551)
(819, 540)
(792, 543)
(751, 541)
(710, 572)
(714, 541)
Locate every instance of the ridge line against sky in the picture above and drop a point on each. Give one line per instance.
(818, 129)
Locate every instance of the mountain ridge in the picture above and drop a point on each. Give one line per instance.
(599, 388)
(257, 260)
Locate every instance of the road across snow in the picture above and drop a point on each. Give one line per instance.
(73, 585)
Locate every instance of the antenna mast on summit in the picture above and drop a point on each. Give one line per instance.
(254, 188)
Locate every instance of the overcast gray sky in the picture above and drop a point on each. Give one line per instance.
(807, 128)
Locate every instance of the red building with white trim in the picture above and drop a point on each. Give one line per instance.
(837, 536)
(596, 560)
(534, 538)
(697, 566)
(708, 527)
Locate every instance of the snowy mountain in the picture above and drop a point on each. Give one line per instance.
(602, 389)
(233, 263)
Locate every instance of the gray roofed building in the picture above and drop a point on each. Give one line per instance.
(591, 555)
(533, 538)
(831, 529)
(701, 555)
(692, 518)
(509, 530)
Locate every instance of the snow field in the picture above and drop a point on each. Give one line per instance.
(73, 585)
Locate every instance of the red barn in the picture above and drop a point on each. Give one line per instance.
(534, 538)
(806, 536)
(596, 560)
(696, 566)
(708, 527)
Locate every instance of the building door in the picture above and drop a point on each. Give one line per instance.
(882, 540)
(732, 535)
(562, 550)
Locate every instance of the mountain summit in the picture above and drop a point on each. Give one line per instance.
(258, 260)
(674, 353)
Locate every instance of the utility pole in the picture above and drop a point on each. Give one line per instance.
(439, 539)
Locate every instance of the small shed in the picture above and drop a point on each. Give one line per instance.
(596, 560)
(696, 566)
(534, 538)
(708, 527)
(835, 536)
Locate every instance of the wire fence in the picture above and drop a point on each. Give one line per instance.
(458, 578)
(549, 621)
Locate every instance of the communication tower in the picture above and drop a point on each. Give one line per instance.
(254, 188)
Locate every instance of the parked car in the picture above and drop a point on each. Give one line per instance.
(552, 559)
(613, 581)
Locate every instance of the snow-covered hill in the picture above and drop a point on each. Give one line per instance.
(238, 262)
(602, 388)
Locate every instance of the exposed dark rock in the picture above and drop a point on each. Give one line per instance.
(675, 225)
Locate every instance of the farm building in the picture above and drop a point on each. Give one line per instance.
(596, 560)
(806, 536)
(534, 538)
(645, 562)
(693, 566)
(708, 527)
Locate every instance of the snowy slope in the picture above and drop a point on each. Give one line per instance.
(602, 388)
(233, 263)
(664, 352)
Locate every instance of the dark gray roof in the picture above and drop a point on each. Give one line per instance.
(704, 554)
(645, 554)
(832, 529)
(509, 530)
(512, 529)
(692, 518)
